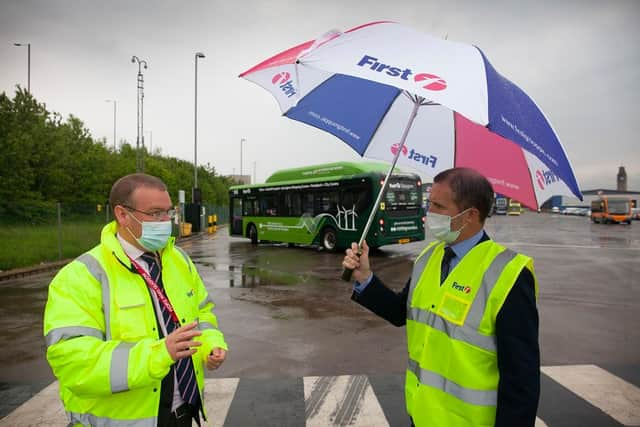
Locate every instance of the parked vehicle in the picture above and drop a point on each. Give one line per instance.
(611, 209)
(501, 205)
(635, 213)
(515, 208)
(576, 210)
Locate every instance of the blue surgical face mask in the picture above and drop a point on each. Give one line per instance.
(155, 234)
(440, 226)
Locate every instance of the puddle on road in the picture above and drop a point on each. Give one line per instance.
(247, 276)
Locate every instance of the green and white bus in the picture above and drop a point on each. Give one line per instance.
(328, 205)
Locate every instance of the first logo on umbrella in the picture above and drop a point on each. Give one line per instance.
(284, 82)
(426, 80)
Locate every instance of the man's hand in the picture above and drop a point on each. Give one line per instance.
(358, 263)
(215, 358)
(180, 342)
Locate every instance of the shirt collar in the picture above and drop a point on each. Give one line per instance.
(132, 251)
(461, 248)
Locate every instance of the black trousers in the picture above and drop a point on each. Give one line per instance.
(182, 416)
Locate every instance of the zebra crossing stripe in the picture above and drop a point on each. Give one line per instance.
(540, 423)
(43, 409)
(218, 394)
(346, 400)
(611, 394)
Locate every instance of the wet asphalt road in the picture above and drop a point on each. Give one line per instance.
(286, 313)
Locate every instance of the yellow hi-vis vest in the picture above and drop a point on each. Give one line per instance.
(102, 339)
(452, 375)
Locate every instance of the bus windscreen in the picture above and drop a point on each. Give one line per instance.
(402, 194)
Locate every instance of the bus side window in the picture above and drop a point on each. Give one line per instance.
(246, 208)
(268, 206)
(326, 202)
(293, 204)
(307, 204)
(237, 206)
(362, 200)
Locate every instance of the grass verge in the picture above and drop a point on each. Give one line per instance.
(26, 245)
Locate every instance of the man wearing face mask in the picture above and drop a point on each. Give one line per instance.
(129, 325)
(470, 312)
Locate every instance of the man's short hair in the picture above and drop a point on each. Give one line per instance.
(470, 189)
(124, 187)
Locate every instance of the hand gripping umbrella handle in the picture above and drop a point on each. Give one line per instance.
(348, 272)
(417, 102)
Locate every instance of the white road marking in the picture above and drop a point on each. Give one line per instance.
(218, 395)
(613, 395)
(540, 423)
(341, 401)
(43, 409)
(559, 245)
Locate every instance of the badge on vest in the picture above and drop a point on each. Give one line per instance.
(453, 307)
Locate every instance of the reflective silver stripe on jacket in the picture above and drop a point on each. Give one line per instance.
(418, 267)
(468, 332)
(206, 325)
(92, 420)
(489, 281)
(100, 275)
(118, 373)
(471, 396)
(120, 356)
(58, 334)
(206, 301)
(464, 333)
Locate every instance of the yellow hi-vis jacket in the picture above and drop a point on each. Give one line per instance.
(102, 339)
(452, 375)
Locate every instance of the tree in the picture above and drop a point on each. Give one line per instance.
(47, 160)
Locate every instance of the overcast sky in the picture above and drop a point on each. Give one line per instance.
(580, 61)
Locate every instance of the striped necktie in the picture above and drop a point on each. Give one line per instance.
(185, 374)
(449, 254)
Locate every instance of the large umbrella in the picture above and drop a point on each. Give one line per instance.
(396, 94)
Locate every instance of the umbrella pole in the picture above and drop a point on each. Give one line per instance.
(346, 273)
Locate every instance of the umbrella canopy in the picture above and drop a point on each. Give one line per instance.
(391, 92)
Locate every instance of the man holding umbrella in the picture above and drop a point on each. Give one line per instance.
(470, 312)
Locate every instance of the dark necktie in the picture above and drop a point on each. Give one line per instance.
(446, 263)
(185, 373)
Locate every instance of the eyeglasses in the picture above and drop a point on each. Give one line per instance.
(157, 215)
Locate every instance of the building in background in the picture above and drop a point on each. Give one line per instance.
(241, 179)
(622, 179)
(591, 195)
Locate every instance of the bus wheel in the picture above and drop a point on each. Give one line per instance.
(329, 239)
(252, 233)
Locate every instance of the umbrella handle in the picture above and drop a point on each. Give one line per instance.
(348, 272)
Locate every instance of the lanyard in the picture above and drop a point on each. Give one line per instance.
(156, 290)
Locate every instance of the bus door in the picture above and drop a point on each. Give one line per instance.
(236, 216)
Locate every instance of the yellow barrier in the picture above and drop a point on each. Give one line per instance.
(212, 223)
(186, 229)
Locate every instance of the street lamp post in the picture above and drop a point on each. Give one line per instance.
(115, 146)
(28, 63)
(140, 137)
(241, 143)
(195, 195)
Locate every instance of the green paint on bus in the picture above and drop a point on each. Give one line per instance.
(328, 205)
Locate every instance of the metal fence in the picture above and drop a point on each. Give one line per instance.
(59, 231)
